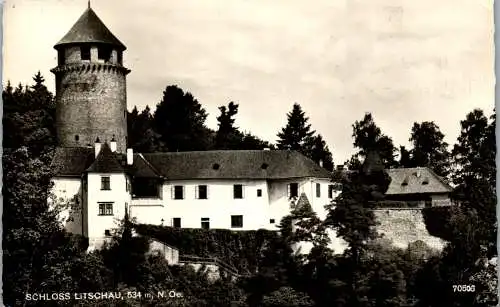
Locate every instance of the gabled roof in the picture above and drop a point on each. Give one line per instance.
(416, 180)
(235, 164)
(226, 164)
(106, 162)
(72, 161)
(90, 29)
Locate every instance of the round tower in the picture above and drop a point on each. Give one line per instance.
(91, 96)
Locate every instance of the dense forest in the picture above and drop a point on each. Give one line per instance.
(41, 257)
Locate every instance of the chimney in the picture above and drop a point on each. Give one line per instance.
(97, 146)
(112, 144)
(130, 156)
(321, 163)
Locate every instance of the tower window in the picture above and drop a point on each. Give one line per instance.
(60, 57)
(120, 57)
(77, 138)
(104, 53)
(85, 53)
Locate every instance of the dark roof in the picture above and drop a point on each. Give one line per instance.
(143, 169)
(416, 180)
(90, 29)
(240, 164)
(235, 164)
(72, 161)
(106, 162)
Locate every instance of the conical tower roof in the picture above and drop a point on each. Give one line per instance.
(90, 29)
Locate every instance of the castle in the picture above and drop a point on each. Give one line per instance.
(102, 178)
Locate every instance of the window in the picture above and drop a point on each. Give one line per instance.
(293, 190)
(127, 188)
(107, 233)
(61, 57)
(238, 191)
(77, 138)
(236, 221)
(120, 57)
(205, 223)
(145, 188)
(177, 222)
(202, 192)
(105, 208)
(178, 192)
(318, 190)
(330, 191)
(271, 221)
(104, 53)
(259, 193)
(105, 183)
(85, 53)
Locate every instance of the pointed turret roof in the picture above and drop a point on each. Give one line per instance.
(90, 29)
(106, 162)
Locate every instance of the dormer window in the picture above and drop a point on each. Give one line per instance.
(216, 166)
(264, 166)
(85, 53)
(426, 181)
(404, 183)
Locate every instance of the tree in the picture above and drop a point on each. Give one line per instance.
(368, 137)
(141, 135)
(297, 133)
(180, 121)
(405, 157)
(320, 153)
(227, 136)
(39, 255)
(352, 218)
(29, 117)
(429, 149)
(475, 175)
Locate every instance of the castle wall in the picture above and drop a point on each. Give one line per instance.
(91, 102)
(404, 226)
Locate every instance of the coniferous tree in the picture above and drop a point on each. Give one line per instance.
(29, 117)
(429, 149)
(297, 133)
(180, 120)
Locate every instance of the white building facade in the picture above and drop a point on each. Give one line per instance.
(203, 189)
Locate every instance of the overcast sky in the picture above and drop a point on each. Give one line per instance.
(401, 60)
